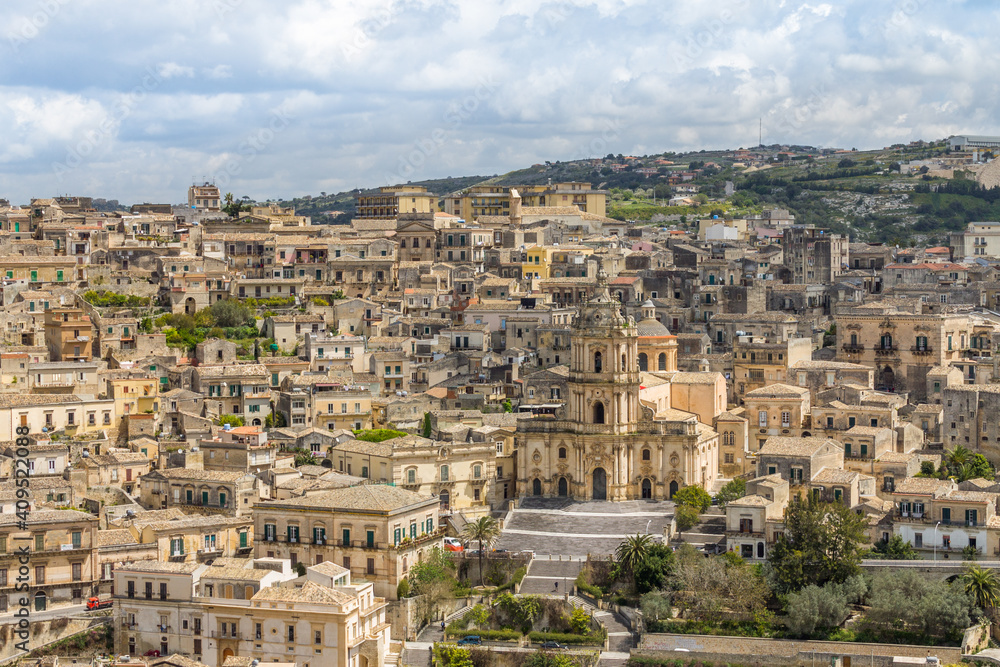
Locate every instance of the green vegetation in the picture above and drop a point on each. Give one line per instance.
(426, 430)
(685, 518)
(378, 434)
(733, 490)
(695, 496)
(233, 420)
(106, 299)
(484, 531)
(895, 548)
(821, 544)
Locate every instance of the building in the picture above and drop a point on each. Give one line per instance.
(68, 334)
(200, 491)
(240, 449)
(204, 197)
(980, 239)
(602, 443)
(391, 200)
(375, 531)
(63, 563)
(250, 610)
(815, 255)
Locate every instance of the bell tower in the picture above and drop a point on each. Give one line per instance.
(603, 383)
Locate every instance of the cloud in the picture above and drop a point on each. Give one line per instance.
(419, 89)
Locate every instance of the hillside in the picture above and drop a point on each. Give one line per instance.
(861, 193)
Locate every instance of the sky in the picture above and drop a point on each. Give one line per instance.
(135, 100)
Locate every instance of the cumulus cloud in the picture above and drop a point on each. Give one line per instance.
(377, 90)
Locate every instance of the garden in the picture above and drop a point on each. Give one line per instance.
(811, 587)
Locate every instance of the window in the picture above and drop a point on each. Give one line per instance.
(444, 473)
(786, 419)
(371, 566)
(762, 418)
(291, 633)
(77, 571)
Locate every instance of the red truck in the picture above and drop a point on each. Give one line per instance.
(97, 603)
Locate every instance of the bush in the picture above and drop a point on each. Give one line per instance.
(516, 579)
(816, 607)
(588, 588)
(233, 420)
(378, 434)
(695, 496)
(403, 589)
(564, 638)
(230, 313)
(504, 635)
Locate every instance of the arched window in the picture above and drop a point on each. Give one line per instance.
(411, 476)
(562, 452)
(643, 362)
(662, 361)
(645, 455)
(598, 363)
(444, 473)
(536, 487)
(624, 364)
(598, 413)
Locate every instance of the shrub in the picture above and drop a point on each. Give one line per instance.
(403, 589)
(378, 434)
(588, 588)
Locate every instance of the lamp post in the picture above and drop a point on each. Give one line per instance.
(936, 538)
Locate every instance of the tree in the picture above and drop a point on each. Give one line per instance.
(819, 607)
(686, 518)
(895, 548)
(695, 496)
(507, 406)
(983, 585)
(708, 588)
(486, 531)
(230, 313)
(549, 659)
(654, 572)
(579, 621)
(926, 604)
(846, 163)
(656, 605)
(234, 421)
(427, 425)
(821, 543)
(733, 490)
(632, 551)
(433, 579)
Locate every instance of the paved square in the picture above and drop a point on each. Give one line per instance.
(570, 528)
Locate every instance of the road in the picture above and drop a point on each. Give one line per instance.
(61, 611)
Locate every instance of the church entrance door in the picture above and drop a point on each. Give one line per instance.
(600, 484)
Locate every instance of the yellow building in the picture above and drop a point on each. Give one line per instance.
(40, 271)
(196, 538)
(495, 200)
(391, 200)
(540, 260)
(55, 412)
(134, 396)
(62, 567)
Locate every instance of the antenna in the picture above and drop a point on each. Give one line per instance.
(760, 131)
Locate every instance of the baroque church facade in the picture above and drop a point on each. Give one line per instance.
(607, 442)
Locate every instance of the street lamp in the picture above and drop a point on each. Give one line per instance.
(936, 538)
(647, 525)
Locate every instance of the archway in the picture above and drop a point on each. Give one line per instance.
(598, 362)
(662, 361)
(445, 499)
(563, 487)
(673, 488)
(600, 484)
(255, 422)
(190, 306)
(536, 487)
(40, 601)
(624, 368)
(647, 489)
(227, 653)
(598, 413)
(643, 362)
(888, 379)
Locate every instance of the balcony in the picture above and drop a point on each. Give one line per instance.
(963, 523)
(226, 635)
(853, 348)
(887, 351)
(922, 351)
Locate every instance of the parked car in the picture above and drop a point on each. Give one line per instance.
(452, 544)
(713, 548)
(470, 640)
(554, 645)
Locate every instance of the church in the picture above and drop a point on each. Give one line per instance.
(630, 428)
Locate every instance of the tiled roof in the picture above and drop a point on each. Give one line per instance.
(311, 592)
(372, 497)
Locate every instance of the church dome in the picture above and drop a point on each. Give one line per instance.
(651, 327)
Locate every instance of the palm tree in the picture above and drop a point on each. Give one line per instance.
(486, 531)
(984, 587)
(631, 553)
(958, 456)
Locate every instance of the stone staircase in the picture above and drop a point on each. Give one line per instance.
(550, 577)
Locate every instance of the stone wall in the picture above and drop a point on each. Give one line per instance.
(45, 632)
(768, 652)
